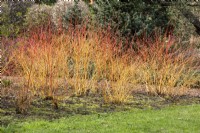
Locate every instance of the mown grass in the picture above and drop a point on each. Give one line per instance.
(171, 119)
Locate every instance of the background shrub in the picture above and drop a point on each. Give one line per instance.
(38, 15)
(47, 2)
(59, 11)
(68, 11)
(183, 28)
(12, 16)
(133, 17)
(5, 27)
(186, 20)
(77, 14)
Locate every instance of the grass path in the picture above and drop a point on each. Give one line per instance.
(177, 119)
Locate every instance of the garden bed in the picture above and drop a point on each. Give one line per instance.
(71, 105)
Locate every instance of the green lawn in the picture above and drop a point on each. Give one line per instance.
(176, 119)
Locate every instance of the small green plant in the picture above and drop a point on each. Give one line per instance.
(6, 83)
